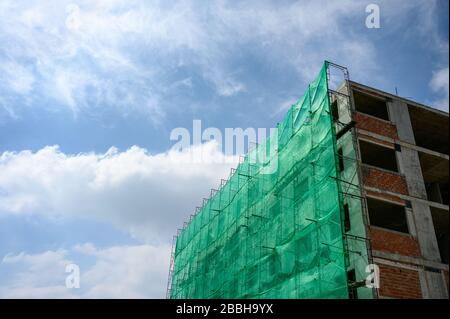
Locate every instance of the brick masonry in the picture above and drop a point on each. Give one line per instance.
(375, 125)
(393, 242)
(384, 180)
(398, 282)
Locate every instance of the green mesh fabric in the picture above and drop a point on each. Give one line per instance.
(274, 229)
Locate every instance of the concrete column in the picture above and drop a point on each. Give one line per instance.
(437, 289)
(425, 231)
(399, 115)
(409, 165)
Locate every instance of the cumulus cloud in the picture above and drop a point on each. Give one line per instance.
(126, 271)
(138, 271)
(34, 276)
(146, 195)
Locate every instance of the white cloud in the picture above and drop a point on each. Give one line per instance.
(440, 84)
(147, 195)
(38, 266)
(229, 87)
(119, 53)
(127, 271)
(35, 276)
(17, 77)
(284, 105)
(117, 272)
(300, 34)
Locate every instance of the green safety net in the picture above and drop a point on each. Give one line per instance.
(275, 228)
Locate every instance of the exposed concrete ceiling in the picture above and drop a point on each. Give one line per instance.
(434, 168)
(440, 219)
(430, 129)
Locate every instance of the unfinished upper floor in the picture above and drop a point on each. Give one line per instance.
(388, 124)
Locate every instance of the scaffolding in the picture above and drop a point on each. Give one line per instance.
(279, 226)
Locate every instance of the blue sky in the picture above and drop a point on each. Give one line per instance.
(90, 91)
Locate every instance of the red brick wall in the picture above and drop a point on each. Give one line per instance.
(399, 283)
(395, 243)
(375, 125)
(392, 182)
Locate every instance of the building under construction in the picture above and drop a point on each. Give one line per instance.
(354, 177)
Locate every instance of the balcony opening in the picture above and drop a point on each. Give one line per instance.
(440, 222)
(430, 129)
(370, 105)
(387, 215)
(435, 177)
(378, 156)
